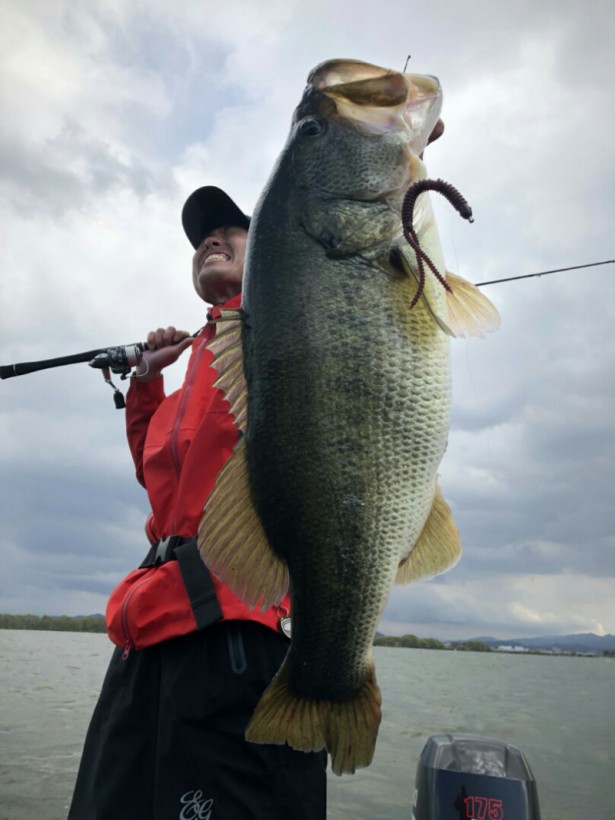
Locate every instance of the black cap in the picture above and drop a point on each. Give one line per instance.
(209, 208)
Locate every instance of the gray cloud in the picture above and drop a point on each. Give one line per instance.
(48, 180)
(74, 515)
(136, 106)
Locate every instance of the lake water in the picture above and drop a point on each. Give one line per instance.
(558, 711)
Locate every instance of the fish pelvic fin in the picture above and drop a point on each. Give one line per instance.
(232, 541)
(227, 350)
(470, 313)
(438, 547)
(346, 729)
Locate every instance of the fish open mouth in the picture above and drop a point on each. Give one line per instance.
(375, 100)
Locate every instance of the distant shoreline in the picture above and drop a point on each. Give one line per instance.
(96, 623)
(472, 645)
(54, 623)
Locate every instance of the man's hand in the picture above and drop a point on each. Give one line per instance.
(165, 347)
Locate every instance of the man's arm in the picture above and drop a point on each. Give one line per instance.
(146, 391)
(142, 401)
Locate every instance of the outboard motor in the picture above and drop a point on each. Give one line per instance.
(471, 777)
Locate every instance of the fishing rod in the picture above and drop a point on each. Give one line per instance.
(545, 272)
(119, 360)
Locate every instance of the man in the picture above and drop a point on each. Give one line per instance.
(166, 739)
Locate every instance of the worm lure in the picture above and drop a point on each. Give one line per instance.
(407, 217)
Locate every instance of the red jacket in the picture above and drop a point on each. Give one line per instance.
(179, 444)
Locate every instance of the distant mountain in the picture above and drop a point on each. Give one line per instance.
(584, 642)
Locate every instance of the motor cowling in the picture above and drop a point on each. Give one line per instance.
(472, 777)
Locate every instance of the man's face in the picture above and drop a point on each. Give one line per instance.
(217, 265)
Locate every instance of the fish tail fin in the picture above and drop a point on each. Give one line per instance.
(347, 729)
(352, 727)
(469, 312)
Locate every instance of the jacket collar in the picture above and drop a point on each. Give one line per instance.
(215, 311)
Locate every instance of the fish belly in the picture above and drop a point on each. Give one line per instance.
(348, 412)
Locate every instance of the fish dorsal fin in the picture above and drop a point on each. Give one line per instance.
(232, 541)
(470, 313)
(227, 350)
(438, 547)
(231, 538)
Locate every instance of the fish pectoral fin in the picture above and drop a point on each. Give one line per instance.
(399, 261)
(347, 729)
(437, 549)
(227, 350)
(232, 541)
(470, 313)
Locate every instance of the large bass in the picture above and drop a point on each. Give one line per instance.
(343, 343)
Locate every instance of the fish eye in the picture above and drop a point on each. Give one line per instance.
(312, 126)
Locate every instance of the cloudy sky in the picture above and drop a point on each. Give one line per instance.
(112, 112)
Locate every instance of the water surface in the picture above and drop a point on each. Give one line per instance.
(557, 710)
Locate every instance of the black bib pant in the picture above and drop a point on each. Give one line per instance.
(166, 741)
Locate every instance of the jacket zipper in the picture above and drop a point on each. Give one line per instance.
(129, 641)
(180, 415)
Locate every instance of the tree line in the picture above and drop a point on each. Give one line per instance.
(96, 623)
(56, 623)
(414, 642)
